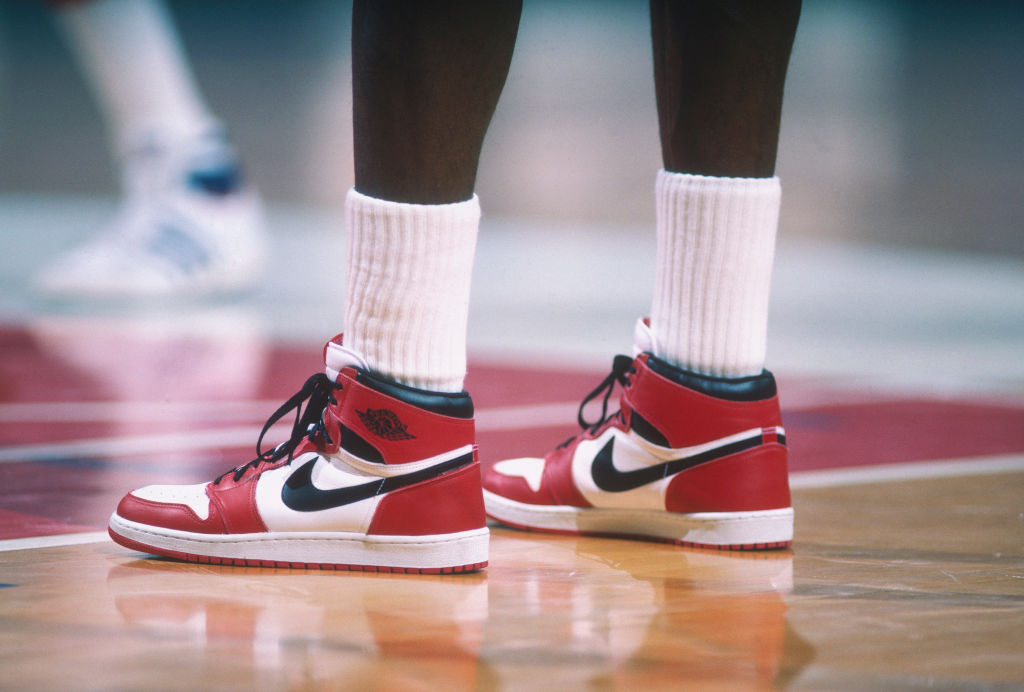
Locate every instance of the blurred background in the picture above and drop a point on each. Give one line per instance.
(903, 124)
(901, 245)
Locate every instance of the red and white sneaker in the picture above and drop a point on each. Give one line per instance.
(376, 476)
(688, 458)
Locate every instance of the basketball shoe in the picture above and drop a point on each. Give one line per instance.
(687, 458)
(376, 476)
(187, 225)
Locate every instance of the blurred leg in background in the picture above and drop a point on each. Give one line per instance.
(188, 223)
(388, 432)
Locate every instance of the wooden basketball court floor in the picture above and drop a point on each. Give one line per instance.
(903, 399)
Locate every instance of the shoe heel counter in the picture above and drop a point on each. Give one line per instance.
(447, 504)
(749, 481)
(683, 416)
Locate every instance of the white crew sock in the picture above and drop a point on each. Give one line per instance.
(408, 282)
(716, 246)
(131, 56)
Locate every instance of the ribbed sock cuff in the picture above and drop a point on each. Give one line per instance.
(715, 250)
(408, 283)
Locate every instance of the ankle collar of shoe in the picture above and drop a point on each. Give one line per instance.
(338, 357)
(451, 404)
(749, 388)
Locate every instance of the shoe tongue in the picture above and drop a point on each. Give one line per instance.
(337, 357)
(643, 338)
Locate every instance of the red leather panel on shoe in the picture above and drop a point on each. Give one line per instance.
(168, 515)
(558, 477)
(413, 433)
(232, 510)
(236, 503)
(556, 485)
(744, 482)
(446, 504)
(687, 417)
(512, 487)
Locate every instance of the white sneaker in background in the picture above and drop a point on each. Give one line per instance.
(188, 225)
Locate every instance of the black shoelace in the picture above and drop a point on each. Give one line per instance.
(622, 368)
(309, 423)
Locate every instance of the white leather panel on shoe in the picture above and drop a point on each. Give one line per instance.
(630, 452)
(348, 516)
(626, 456)
(192, 496)
(338, 357)
(530, 469)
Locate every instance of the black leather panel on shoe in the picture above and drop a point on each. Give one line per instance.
(353, 443)
(752, 388)
(642, 427)
(453, 404)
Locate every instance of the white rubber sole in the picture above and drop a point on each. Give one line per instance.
(772, 528)
(454, 552)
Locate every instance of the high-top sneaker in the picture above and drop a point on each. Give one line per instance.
(688, 458)
(376, 476)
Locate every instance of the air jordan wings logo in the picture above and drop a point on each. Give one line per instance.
(385, 423)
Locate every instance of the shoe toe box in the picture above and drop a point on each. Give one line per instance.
(521, 480)
(174, 507)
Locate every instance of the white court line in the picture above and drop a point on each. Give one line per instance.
(260, 409)
(887, 473)
(499, 418)
(219, 438)
(53, 541)
(527, 415)
(494, 418)
(552, 415)
(135, 411)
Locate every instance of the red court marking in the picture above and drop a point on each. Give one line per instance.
(21, 433)
(83, 365)
(909, 430)
(19, 525)
(861, 433)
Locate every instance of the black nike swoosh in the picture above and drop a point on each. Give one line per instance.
(610, 479)
(301, 495)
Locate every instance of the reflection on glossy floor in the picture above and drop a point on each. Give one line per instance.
(871, 597)
(553, 613)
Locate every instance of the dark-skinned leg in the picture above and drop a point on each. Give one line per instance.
(697, 453)
(426, 77)
(385, 477)
(719, 70)
(426, 81)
